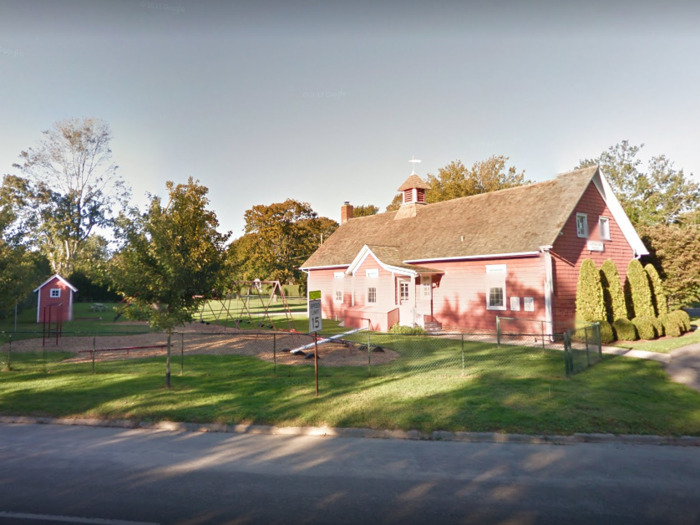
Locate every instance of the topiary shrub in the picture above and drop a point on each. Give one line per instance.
(645, 328)
(607, 334)
(590, 306)
(672, 327)
(658, 327)
(625, 330)
(682, 318)
(406, 330)
(613, 293)
(658, 294)
(638, 292)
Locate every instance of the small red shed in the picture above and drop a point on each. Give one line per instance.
(56, 294)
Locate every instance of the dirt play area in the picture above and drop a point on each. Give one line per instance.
(197, 338)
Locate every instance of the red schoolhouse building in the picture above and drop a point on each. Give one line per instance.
(55, 299)
(458, 264)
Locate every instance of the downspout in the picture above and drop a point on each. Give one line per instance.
(548, 289)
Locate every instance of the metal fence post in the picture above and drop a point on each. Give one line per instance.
(462, 355)
(93, 354)
(599, 338)
(9, 354)
(182, 354)
(274, 353)
(498, 331)
(588, 359)
(542, 330)
(369, 356)
(568, 361)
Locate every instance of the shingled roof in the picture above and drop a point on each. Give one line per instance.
(516, 220)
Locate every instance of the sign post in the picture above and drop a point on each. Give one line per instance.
(315, 325)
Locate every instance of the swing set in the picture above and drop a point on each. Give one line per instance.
(245, 303)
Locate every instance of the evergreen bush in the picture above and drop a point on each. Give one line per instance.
(658, 293)
(658, 326)
(590, 306)
(671, 326)
(645, 328)
(682, 318)
(607, 334)
(613, 293)
(638, 292)
(406, 330)
(625, 330)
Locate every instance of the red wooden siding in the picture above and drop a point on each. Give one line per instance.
(45, 299)
(570, 250)
(460, 300)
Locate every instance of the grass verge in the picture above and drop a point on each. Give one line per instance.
(524, 394)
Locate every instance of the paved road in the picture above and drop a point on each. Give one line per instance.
(98, 474)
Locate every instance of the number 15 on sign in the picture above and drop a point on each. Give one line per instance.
(315, 324)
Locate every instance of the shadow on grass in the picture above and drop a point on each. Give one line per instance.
(508, 390)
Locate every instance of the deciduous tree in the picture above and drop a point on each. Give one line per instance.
(365, 210)
(657, 195)
(279, 238)
(171, 253)
(456, 180)
(71, 187)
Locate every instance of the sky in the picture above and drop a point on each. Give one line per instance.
(326, 102)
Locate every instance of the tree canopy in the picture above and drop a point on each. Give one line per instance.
(365, 210)
(171, 253)
(278, 239)
(70, 187)
(658, 195)
(456, 180)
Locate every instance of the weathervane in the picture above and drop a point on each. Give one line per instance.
(413, 161)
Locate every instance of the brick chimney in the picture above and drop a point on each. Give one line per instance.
(346, 212)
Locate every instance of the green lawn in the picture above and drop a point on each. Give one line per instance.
(507, 389)
(86, 321)
(665, 344)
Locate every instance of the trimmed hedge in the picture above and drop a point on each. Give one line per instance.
(625, 330)
(682, 318)
(406, 330)
(607, 333)
(638, 292)
(613, 293)
(645, 327)
(658, 294)
(590, 306)
(672, 328)
(658, 326)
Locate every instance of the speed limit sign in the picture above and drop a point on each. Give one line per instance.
(315, 324)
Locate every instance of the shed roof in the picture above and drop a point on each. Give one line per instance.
(56, 276)
(513, 221)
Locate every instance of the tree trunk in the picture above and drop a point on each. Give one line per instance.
(167, 363)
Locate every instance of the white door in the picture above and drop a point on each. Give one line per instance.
(406, 309)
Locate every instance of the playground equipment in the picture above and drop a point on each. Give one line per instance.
(53, 313)
(326, 340)
(245, 303)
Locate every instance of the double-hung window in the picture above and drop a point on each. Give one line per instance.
(604, 228)
(426, 284)
(582, 225)
(496, 286)
(372, 294)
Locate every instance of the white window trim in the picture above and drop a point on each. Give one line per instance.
(602, 220)
(583, 235)
(335, 296)
(375, 294)
(58, 293)
(338, 275)
(372, 273)
(498, 269)
(515, 304)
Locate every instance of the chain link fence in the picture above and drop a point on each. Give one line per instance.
(507, 352)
